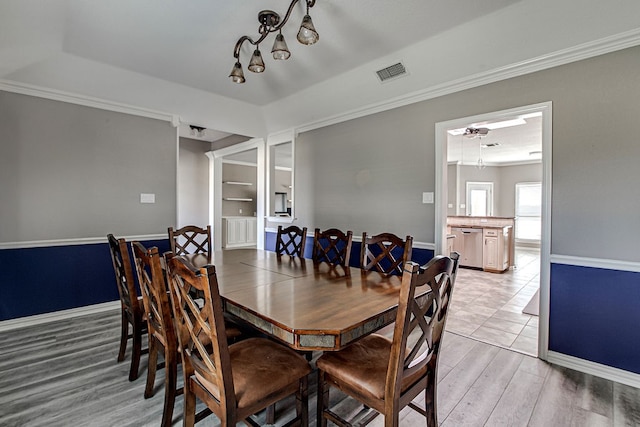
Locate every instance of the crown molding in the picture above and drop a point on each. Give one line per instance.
(561, 57)
(87, 101)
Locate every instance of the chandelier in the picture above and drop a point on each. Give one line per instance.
(270, 22)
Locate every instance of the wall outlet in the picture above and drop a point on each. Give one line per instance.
(239, 211)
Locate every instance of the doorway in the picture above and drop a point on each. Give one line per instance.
(237, 202)
(491, 304)
(479, 198)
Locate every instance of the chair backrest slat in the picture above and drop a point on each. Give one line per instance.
(291, 241)
(422, 309)
(385, 253)
(190, 239)
(124, 277)
(332, 246)
(201, 329)
(154, 294)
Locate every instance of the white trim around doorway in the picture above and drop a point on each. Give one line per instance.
(545, 243)
(215, 187)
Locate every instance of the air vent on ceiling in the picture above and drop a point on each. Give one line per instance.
(392, 71)
(490, 144)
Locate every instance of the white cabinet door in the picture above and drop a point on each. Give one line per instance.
(490, 253)
(239, 232)
(252, 230)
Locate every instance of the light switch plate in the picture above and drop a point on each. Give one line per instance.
(147, 198)
(427, 197)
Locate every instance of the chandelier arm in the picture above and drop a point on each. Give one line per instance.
(241, 40)
(283, 21)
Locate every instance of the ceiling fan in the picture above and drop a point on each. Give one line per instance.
(475, 132)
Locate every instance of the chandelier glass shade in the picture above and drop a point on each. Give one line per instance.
(280, 50)
(270, 22)
(256, 64)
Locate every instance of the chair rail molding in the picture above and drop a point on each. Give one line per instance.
(75, 241)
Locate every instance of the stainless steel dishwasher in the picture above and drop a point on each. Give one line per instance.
(468, 242)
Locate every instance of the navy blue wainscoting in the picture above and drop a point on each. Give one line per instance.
(47, 279)
(594, 315)
(421, 256)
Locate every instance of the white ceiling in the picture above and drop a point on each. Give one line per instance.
(518, 144)
(191, 42)
(175, 56)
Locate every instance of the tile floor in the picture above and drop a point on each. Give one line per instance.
(488, 306)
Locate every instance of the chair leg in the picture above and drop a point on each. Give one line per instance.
(323, 400)
(271, 414)
(152, 367)
(302, 404)
(170, 383)
(124, 336)
(189, 415)
(135, 354)
(392, 419)
(430, 400)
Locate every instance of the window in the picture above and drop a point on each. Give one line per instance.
(528, 211)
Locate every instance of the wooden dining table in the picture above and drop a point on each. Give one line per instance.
(305, 305)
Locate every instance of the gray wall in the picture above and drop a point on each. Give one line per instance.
(368, 173)
(69, 171)
(504, 179)
(509, 177)
(193, 182)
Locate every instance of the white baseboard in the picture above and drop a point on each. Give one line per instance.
(602, 371)
(22, 322)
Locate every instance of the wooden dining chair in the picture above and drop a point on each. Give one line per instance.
(131, 304)
(234, 381)
(386, 374)
(385, 253)
(332, 246)
(190, 239)
(291, 241)
(162, 334)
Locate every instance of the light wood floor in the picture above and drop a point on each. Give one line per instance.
(65, 374)
(488, 306)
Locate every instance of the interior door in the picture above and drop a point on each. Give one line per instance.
(479, 198)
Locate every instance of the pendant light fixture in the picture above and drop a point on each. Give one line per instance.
(480, 164)
(270, 22)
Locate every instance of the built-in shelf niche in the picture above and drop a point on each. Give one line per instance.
(238, 183)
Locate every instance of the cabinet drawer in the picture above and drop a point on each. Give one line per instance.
(493, 233)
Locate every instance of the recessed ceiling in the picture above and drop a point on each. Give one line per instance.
(191, 42)
(175, 56)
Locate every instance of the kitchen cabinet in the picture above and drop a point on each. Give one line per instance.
(239, 232)
(495, 253)
(483, 242)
